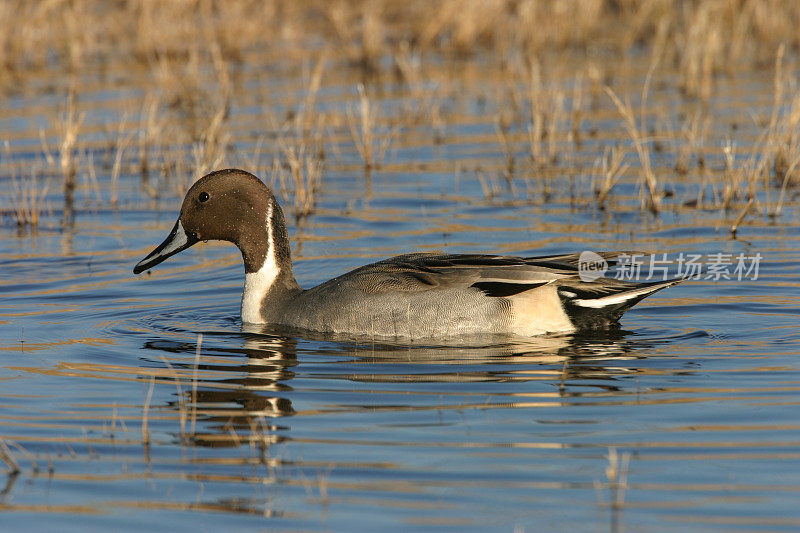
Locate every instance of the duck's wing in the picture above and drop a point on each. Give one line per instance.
(572, 261)
(497, 276)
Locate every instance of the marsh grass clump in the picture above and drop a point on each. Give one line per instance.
(305, 171)
(360, 31)
(298, 163)
(28, 199)
(692, 137)
(546, 128)
(634, 128)
(370, 139)
(298, 169)
(783, 137)
(69, 128)
(608, 170)
(150, 128)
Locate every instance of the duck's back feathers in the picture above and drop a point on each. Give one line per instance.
(496, 275)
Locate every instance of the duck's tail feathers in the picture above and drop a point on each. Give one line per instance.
(601, 303)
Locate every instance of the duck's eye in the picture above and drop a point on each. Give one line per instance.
(203, 197)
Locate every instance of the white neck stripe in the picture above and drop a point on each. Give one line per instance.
(257, 284)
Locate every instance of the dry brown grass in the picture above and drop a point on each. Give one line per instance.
(297, 170)
(784, 128)
(371, 142)
(535, 70)
(635, 130)
(69, 126)
(611, 168)
(703, 37)
(7, 457)
(28, 199)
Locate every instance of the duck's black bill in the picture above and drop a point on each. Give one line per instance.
(178, 240)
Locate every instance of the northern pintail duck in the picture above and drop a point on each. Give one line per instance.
(411, 296)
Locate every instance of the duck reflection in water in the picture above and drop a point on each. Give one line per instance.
(242, 389)
(237, 393)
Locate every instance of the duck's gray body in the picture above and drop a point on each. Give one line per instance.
(412, 296)
(408, 296)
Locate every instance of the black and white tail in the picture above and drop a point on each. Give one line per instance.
(602, 302)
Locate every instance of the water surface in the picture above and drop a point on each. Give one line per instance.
(133, 402)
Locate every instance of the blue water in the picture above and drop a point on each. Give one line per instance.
(140, 402)
(698, 392)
